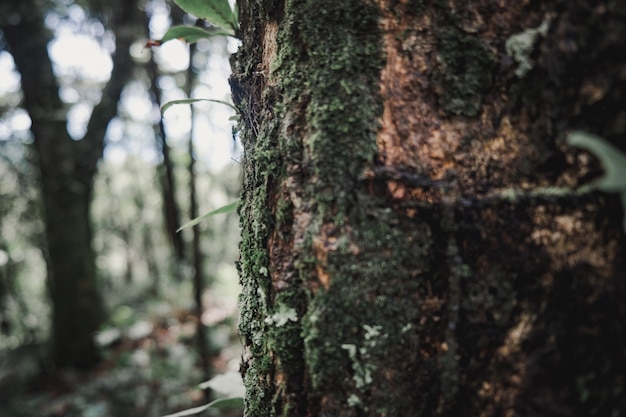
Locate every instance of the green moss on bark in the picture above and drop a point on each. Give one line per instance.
(329, 61)
(368, 309)
(465, 70)
(318, 124)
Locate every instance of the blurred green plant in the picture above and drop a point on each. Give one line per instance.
(219, 14)
(613, 161)
(195, 100)
(222, 210)
(232, 403)
(228, 384)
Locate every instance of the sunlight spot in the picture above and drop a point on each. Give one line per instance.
(173, 56)
(140, 52)
(10, 79)
(80, 55)
(115, 130)
(136, 103)
(114, 153)
(76, 13)
(69, 94)
(20, 120)
(77, 119)
(159, 19)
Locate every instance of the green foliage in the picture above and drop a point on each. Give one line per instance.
(228, 384)
(216, 12)
(224, 209)
(232, 403)
(190, 34)
(194, 100)
(613, 161)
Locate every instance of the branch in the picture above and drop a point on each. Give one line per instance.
(126, 18)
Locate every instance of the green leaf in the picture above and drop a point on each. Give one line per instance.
(233, 402)
(228, 384)
(194, 100)
(224, 209)
(216, 12)
(613, 161)
(190, 34)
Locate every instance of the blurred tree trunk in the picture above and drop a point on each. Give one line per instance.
(166, 172)
(401, 253)
(197, 257)
(67, 169)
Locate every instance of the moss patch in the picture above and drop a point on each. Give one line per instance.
(329, 65)
(465, 71)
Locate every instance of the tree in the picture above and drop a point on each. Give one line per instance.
(67, 167)
(171, 210)
(412, 244)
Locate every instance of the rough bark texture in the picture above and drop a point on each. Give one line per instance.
(402, 252)
(67, 169)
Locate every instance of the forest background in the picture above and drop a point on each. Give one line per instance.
(154, 173)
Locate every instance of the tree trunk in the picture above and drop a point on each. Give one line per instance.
(165, 171)
(67, 169)
(404, 252)
(197, 257)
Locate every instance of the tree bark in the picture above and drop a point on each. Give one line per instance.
(67, 169)
(402, 253)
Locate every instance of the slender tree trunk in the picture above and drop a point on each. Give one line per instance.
(165, 172)
(199, 283)
(402, 252)
(67, 170)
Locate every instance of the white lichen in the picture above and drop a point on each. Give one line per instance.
(520, 46)
(282, 316)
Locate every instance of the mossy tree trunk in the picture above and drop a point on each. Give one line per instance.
(402, 254)
(67, 168)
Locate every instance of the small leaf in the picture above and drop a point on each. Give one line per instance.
(229, 384)
(233, 402)
(224, 209)
(191, 34)
(216, 12)
(194, 100)
(613, 161)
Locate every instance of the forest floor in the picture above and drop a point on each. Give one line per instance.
(151, 368)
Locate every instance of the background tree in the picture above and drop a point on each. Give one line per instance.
(411, 241)
(67, 168)
(150, 363)
(166, 171)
